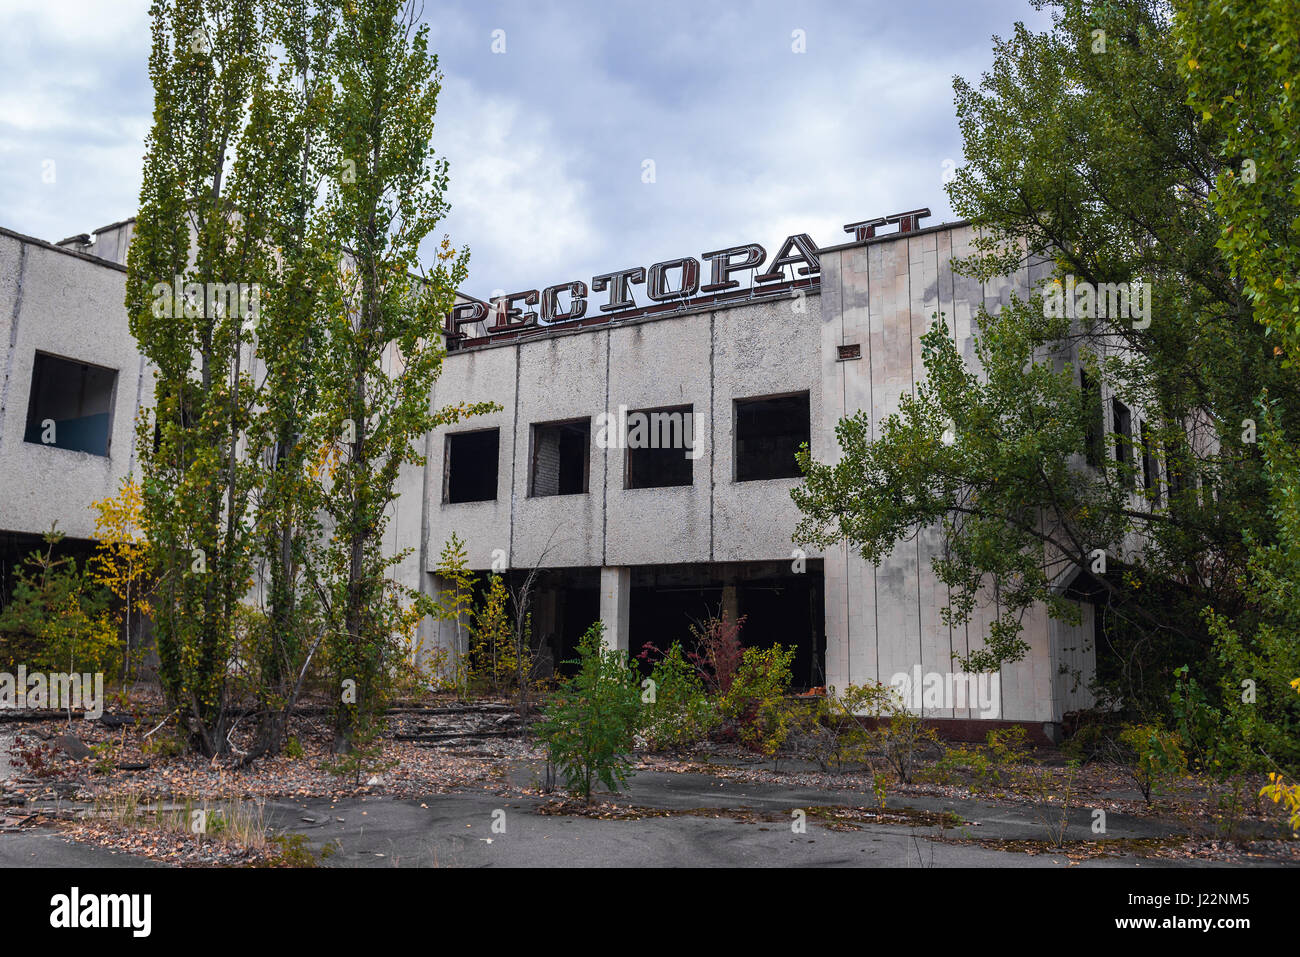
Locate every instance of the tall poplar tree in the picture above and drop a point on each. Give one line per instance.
(383, 347)
(282, 164)
(206, 63)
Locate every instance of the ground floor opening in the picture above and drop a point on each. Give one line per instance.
(664, 602)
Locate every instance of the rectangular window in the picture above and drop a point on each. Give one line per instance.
(471, 469)
(1094, 437)
(1150, 471)
(71, 405)
(1123, 440)
(659, 447)
(768, 433)
(560, 459)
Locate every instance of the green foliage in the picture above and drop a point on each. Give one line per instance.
(1159, 760)
(206, 66)
(290, 153)
(1199, 725)
(1285, 793)
(1241, 64)
(590, 722)
(292, 851)
(839, 738)
(454, 604)
(1007, 747)
(995, 763)
(755, 701)
(899, 737)
(365, 755)
(58, 619)
(380, 325)
(1112, 190)
(105, 756)
(493, 662)
(677, 709)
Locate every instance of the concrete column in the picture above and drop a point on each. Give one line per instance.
(615, 605)
(730, 601)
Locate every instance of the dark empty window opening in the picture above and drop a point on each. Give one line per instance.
(768, 433)
(71, 405)
(1123, 441)
(1093, 442)
(1150, 471)
(561, 453)
(472, 466)
(660, 444)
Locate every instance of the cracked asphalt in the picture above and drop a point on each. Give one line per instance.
(713, 822)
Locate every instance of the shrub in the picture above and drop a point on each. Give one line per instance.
(900, 737)
(678, 710)
(1157, 757)
(493, 659)
(970, 760)
(590, 723)
(754, 699)
(838, 736)
(718, 653)
(1007, 747)
(1279, 791)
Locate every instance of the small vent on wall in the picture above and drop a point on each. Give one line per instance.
(852, 351)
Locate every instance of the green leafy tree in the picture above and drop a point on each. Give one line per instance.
(1241, 63)
(492, 649)
(382, 346)
(279, 170)
(193, 227)
(454, 604)
(1113, 189)
(58, 618)
(590, 724)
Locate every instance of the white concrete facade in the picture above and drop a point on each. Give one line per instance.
(878, 294)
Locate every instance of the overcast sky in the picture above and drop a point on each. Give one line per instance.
(548, 141)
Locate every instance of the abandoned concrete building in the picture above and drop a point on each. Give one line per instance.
(641, 460)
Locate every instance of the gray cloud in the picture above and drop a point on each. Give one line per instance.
(750, 140)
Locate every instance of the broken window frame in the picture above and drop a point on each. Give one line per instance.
(1122, 420)
(448, 464)
(629, 468)
(737, 405)
(33, 428)
(535, 449)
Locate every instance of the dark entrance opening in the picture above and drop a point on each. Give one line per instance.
(781, 607)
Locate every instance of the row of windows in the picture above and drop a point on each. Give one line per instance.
(659, 444)
(1132, 447)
